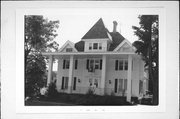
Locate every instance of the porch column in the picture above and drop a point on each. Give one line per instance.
(103, 74)
(70, 74)
(128, 98)
(50, 66)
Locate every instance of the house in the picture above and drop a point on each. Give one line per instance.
(102, 61)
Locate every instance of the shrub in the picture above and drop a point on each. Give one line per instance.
(52, 90)
(90, 91)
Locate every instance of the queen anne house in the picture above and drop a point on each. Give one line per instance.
(104, 62)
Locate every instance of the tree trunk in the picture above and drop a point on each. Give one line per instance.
(152, 77)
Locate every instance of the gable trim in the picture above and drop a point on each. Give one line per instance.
(68, 43)
(122, 43)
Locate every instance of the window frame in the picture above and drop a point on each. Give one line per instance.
(95, 48)
(69, 49)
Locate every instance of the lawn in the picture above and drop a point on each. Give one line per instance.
(80, 99)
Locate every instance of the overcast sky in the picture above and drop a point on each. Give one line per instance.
(74, 24)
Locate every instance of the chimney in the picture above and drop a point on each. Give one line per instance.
(114, 26)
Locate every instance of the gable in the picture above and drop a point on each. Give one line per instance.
(68, 47)
(125, 48)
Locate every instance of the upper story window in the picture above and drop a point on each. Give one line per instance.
(100, 46)
(69, 49)
(93, 64)
(95, 46)
(66, 64)
(90, 46)
(121, 65)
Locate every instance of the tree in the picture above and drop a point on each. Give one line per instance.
(147, 47)
(39, 37)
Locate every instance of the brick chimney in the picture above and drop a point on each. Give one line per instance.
(114, 26)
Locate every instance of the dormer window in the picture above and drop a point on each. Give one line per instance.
(90, 46)
(69, 49)
(95, 46)
(100, 46)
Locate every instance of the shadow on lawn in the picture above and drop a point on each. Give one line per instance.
(80, 99)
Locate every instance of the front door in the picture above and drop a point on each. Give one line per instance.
(94, 84)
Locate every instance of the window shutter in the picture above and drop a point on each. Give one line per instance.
(74, 84)
(87, 64)
(62, 86)
(116, 65)
(76, 63)
(115, 85)
(101, 64)
(64, 64)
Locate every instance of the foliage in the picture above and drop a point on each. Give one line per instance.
(147, 47)
(90, 91)
(35, 74)
(52, 90)
(39, 36)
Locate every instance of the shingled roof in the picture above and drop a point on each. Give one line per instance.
(97, 31)
(117, 38)
(80, 46)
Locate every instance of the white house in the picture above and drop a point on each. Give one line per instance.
(102, 61)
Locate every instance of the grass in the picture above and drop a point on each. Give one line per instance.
(81, 99)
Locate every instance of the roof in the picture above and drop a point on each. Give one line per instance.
(80, 46)
(117, 38)
(97, 31)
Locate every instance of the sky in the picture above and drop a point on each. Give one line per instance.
(75, 23)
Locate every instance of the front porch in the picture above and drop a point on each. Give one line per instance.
(85, 79)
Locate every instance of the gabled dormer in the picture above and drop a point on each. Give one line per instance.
(97, 38)
(68, 47)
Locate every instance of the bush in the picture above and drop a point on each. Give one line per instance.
(52, 90)
(90, 92)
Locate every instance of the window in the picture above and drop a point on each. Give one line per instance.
(90, 46)
(64, 83)
(97, 64)
(126, 65)
(121, 65)
(93, 64)
(95, 46)
(66, 64)
(120, 85)
(100, 46)
(69, 49)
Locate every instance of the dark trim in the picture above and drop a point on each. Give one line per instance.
(115, 85)
(64, 64)
(76, 64)
(74, 84)
(116, 65)
(87, 64)
(62, 86)
(100, 64)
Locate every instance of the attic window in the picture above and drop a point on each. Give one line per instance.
(100, 46)
(95, 45)
(90, 46)
(69, 49)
